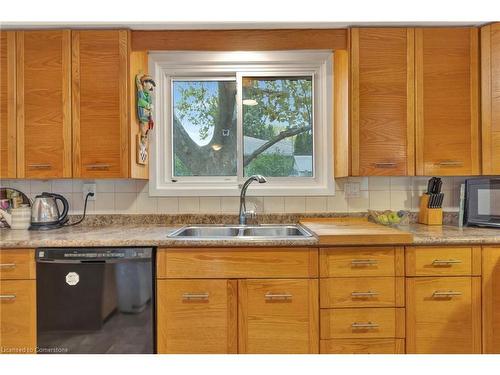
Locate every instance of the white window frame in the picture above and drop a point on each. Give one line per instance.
(166, 66)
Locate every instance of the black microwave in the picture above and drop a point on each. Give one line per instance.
(482, 202)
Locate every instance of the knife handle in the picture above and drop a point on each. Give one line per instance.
(438, 185)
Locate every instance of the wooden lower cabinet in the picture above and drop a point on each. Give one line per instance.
(278, 316)
(443, 315)
(197, 316)
(491, 300)
(17, 264)
(362, 346)
(362, 323)
(17, 316)
(443, 260)
(361, 261)
(345, 292)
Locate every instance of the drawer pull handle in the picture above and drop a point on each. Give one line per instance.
(8, 265)
(386, 165)
(446, 294)
(364, 262)
(445, 262)
(40, 166)
(199, 296)
(8, 296)
(450, 163)
(98, 166)
(272, 296)
(364, 294)
(368, 325)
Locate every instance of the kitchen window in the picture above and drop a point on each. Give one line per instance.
(223, 116)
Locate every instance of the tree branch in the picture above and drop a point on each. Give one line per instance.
(282, 135)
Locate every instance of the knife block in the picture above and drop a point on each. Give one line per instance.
(429, 216)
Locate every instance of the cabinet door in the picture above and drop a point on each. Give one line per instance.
(447, 101)
(197, 316)
(100, 111)
(443, 315)
(363, 346)
(7, 104)
(17, 316)
(382, 68)
(43, 104)
(17, 264)
(491, 300)
(278, 316)
(490, 98)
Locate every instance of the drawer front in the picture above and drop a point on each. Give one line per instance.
(278, 316)
(17, 264)
(443, 315)
(18, 316)
(442, 261)
(197, 316)
(362, 346)
(362, 292)
(362, 323)
(358, 261)
(238, 263)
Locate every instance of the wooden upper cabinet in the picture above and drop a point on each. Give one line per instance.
(490, 98)
(100, 103)
(382, 109)
(43, 104)
(447, 101)
(7, 104)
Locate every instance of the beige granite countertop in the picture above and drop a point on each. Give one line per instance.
(126, 235)
(452, 235)
(156, 235)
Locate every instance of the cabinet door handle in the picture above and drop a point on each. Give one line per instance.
(445, 262)
(7, 297)
(198, 296)
(449, 163)
(367, 294)
(364, 262)
(386, 165)
(98, 166)
(367, 325)
(8, 265)
(40, 166)
(272, 296)
(445, 294)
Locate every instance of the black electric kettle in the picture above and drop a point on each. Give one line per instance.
(45, 212)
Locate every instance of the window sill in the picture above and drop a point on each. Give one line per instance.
(177, 190)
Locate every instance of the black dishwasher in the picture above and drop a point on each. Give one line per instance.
(95, 300)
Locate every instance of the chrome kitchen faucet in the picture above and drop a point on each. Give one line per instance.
(243, 208)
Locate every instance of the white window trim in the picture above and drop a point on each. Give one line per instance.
(319, 64)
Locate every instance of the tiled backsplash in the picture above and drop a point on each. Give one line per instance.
(131, 196)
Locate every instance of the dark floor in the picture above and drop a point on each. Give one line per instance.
(120, 334)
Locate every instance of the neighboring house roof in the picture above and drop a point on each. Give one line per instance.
(283, 147)
(302, 163)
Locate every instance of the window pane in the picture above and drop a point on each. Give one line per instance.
(277, 126)
(204, 128)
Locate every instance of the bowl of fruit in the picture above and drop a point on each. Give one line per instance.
(389, 217)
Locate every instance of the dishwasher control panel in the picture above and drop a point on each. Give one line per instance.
(92, 253)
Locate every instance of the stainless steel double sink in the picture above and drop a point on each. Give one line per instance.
(260, 232)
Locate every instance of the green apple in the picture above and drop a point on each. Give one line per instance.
(393, 218)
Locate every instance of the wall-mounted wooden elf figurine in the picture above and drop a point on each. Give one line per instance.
(145, 86)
